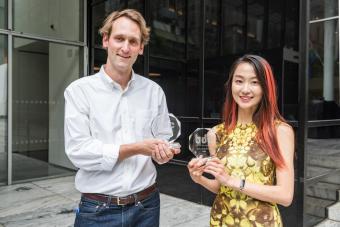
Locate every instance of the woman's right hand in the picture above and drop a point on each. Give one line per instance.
(196, 167)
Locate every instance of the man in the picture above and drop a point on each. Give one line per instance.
(108, 120)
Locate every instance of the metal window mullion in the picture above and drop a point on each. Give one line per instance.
(202, 58)
(42, 38)
(10, 14)
(85, 48)
(338, 49)
(323, 19)
(9, 111)
(9, 94)
(302, 130)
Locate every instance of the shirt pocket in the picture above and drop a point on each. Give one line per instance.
(143, 122)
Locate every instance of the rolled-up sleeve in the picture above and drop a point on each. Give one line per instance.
(84, 151)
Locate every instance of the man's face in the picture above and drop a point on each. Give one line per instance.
(123, 45)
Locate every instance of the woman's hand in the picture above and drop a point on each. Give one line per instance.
(216, 168)
(195, 167)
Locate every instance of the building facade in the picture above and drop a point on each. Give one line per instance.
(46, 44)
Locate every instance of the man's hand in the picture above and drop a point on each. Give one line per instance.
(159, 150)
(163, 153)
(149, 146)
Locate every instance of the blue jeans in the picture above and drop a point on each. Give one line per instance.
(144, 213)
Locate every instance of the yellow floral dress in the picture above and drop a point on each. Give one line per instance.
(243, 158)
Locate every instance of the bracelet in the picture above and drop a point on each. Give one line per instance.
(242, 184)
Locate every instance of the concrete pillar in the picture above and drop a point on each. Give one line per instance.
(328, 69)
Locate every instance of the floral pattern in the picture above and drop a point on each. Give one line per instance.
(243, 158)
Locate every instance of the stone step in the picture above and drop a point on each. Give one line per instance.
(316, 206)
(324, 190)
(310, 220)
(328, 223)
(334, 212)
(328, 161)
(313, 171)
(323, 145)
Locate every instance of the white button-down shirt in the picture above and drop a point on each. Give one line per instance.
(99, 117)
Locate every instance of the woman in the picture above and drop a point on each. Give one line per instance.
(253, 167)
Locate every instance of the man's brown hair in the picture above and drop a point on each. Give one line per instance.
(132, 15)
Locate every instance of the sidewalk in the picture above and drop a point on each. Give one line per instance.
(51, 202)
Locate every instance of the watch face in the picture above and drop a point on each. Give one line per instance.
(242, 183)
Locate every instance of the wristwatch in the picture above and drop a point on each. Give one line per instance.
(242, 184)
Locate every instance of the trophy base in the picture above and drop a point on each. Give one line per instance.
(175, 145)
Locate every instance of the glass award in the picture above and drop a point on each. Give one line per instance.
(203, 142)
(166, 127)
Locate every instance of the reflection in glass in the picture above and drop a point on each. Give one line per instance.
(291, 29)
(233, 27)
(255, 23)
(3, 14)
(274, 24)
(181, 89)
(324, 93)
(136, 4)
(320, 9)
(168, 29)
(41, 72)
(212, 28)
(290, 90)
(194, 26)
(3, 109)
(56, 19)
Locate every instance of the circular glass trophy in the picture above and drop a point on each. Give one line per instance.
(203, 142)
(166, 127)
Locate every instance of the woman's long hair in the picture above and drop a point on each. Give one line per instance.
(267, 113)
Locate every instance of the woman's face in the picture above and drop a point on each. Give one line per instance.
(246, 88)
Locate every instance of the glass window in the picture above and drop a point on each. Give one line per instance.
(324, 93)
(41, 72)
(3, 109)
(233, 27)
(291, 33)
(289, 88)
(322, 160)
(168, 37)
(322, 150)
(181, 88)
(61, 19)
(136, 4)
(212, 28)
(255, 23)
(215, 76)
(3, 14)
(320, 9)
(194, 29)
(274, 24)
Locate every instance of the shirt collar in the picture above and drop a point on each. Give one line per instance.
(108, 80)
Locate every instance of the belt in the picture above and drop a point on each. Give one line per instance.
(121, 201)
